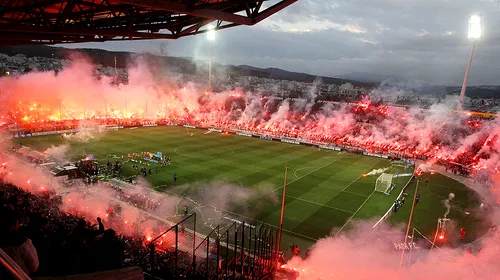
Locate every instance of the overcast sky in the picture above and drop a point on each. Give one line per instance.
(419, 40)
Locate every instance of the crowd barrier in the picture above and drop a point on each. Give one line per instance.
(241, 251)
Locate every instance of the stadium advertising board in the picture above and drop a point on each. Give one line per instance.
(376, 155)
(55, 132)
(214, 130)
(266, 138)
(189, 126)
(353, 150)
(244, 134)
(402, 175)
(149, 124)
(290, 141)
(22, 135)
(45, 133)
(333, 148)
(113, 127)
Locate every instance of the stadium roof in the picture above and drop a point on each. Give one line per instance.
(28, 22)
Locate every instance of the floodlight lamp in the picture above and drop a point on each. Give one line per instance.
(475, 27)
(211, 33)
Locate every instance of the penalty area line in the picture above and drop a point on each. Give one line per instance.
(307, 174)
(248, 219)
(355, 194)
(319, 204)
(302, 168)
(350, 218)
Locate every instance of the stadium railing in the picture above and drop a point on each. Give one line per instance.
(9, 268)
(240, 251)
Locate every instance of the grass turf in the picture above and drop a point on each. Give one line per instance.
(325, 189)
(431, 207)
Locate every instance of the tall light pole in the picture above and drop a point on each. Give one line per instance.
(211, 38)
(280, 230)
(409, 224)
(475, 33)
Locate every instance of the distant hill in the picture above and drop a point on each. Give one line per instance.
(175, 64)
(189, 66)
(477, 91)
(276, 73)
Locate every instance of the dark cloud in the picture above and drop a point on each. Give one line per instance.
(424, 40)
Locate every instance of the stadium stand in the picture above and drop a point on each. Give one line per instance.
(45, 242)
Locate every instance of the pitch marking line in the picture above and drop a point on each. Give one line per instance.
(319, 204)
(302, 168)
(350, 218)
(349, 185)
(319, 168)
(295, 173)
(285, 230)
(356, 194)
(236, 215)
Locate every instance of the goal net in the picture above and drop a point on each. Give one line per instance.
(384, 183)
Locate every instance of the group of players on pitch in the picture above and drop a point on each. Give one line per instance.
(145, 171)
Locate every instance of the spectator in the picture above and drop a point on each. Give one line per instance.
(36, 231)
(63, 259)
(109, 251)
(81, 233)
(19, 248)
(296, 252)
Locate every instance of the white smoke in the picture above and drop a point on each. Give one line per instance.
(87, 130)
(377, 171)
(58, 153)
(447, 204)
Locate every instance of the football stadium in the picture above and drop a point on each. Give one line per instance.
(326, 187)
(229, 198)
(164, 175)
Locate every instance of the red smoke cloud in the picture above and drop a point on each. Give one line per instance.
(75, 93)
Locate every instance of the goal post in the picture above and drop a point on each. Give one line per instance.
(384, 183)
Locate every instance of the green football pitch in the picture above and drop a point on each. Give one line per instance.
(326, 190)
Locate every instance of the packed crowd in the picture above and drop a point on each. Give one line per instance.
(45, 241)
(70, 124)
(459, 165)
(363, 126)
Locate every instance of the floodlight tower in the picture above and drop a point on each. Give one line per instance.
(211, 38)
(475, 33)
